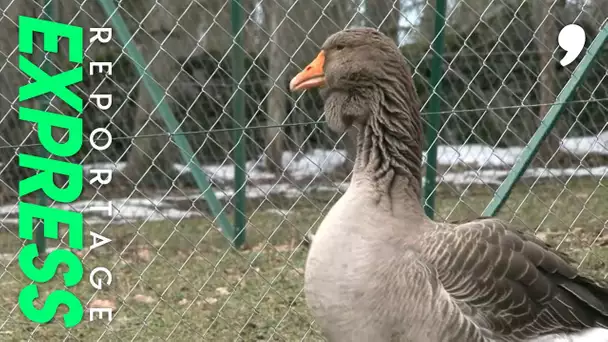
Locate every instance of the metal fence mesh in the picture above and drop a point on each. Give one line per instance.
(175, 276)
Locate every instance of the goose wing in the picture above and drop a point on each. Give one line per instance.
(513, 284)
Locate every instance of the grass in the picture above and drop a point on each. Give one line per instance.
(180, 280)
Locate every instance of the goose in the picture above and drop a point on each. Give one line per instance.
(379, 270)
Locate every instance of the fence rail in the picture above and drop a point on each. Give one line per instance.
(210, 151)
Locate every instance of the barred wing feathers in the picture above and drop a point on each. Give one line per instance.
(513, 284)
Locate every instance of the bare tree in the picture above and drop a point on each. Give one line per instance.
(278, 62)
(600, 10)
(167, 35)
(384, 15)
(546, 43)
(426, 26)
(296, 29)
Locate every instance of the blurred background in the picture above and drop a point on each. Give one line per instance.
(221, 175)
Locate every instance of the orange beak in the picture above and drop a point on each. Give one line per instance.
(311, 77)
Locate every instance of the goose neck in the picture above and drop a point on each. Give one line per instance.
(389, 153)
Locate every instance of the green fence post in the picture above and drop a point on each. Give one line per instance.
(434, 120)
(156, 93)
(527, 154)
(238, 111)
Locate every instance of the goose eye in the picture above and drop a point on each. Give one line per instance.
(339, 47)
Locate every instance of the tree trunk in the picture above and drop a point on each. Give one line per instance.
(600, 12)
(384, 15)
(276, 103)
(150, 158)
(546, 44)
(426, 27)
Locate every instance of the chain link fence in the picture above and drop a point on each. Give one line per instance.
(223, 68)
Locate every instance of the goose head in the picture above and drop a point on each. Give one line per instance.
(353, 69)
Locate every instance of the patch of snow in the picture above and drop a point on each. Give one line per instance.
(120, 166)
(160, 208)
(124, 210)
(313, 163)
(589, 335)
(310, 164)
(299, 165)
(497, 176)
(478, 155)
(302, 165)
(583, 145)
(279, 212)
(9, 209)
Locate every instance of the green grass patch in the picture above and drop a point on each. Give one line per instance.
(181, 281)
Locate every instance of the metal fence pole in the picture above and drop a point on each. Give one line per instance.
(433, 119)
(238, 109)
(546, 125)
(156, 93)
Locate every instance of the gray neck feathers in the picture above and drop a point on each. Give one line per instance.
(389, 141)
